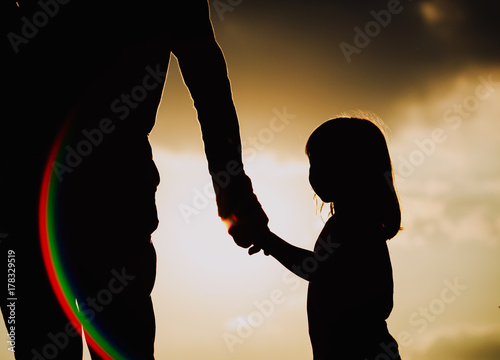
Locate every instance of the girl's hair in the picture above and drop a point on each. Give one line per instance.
(357, 150)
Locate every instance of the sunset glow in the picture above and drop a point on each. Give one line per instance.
(431, 71)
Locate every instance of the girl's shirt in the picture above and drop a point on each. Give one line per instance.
(350, 277)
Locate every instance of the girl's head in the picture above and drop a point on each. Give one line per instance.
(350, 167)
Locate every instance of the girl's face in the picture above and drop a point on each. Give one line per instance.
(322, 177)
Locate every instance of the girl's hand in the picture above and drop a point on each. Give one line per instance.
(248, 234)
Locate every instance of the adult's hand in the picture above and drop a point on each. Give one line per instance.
(248, 225)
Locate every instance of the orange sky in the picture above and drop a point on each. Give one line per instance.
(438, 93)
(433, 75)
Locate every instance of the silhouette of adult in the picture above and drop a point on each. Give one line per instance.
(99, 68)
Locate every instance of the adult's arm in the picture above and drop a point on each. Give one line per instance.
(204, 71)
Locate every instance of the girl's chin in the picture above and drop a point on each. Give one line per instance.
(325, 198)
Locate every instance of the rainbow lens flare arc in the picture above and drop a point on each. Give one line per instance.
(60, 281)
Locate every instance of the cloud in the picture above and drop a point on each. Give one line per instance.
(464, 345)
(443, 157)
(427, 40)
(462, 27)
(443, 17)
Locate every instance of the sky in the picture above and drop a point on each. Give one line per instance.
(431, 71)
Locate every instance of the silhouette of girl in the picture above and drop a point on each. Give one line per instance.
(350, 293)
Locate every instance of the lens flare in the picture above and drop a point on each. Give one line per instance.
(62, 286)
(230, 221)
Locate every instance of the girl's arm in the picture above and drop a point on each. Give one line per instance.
(301, 262)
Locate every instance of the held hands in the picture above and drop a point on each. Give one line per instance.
(239, 208)
(248, 226)
(248, 234)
